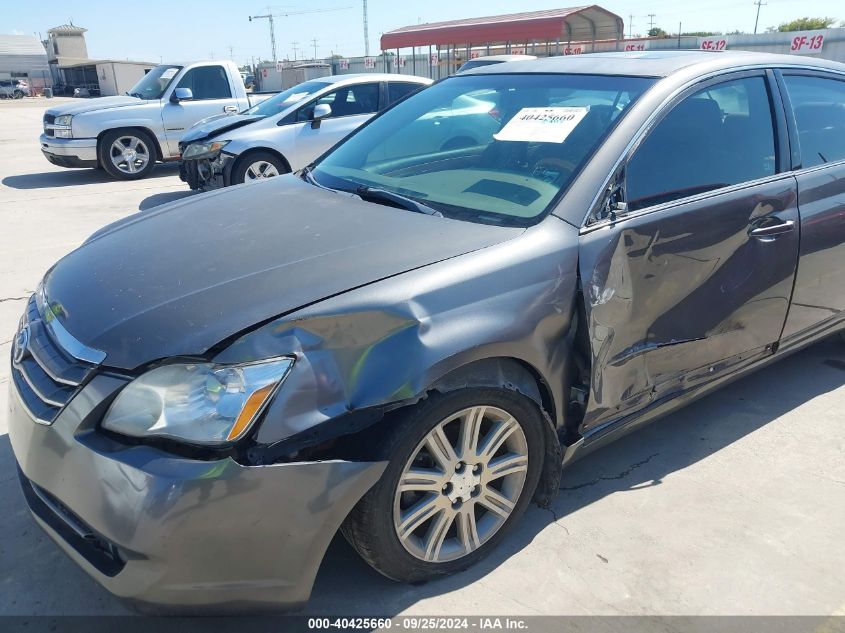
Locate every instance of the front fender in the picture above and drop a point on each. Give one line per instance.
(384, 345)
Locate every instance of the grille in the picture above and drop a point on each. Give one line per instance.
(46, 377)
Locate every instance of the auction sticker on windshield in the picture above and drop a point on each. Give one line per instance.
(542, 125)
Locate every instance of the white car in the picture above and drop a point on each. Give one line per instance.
(288, 131)
(489, 60)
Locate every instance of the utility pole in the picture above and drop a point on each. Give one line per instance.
(651, 17)
(631, 25)
(294, 44)
(268, 16)
(314, 42)
(366, 32)
(231, 54)
(759, 4)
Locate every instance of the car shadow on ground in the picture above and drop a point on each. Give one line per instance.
(37, 579)
(157, 199)
(75, 177)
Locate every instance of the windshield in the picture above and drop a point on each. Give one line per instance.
(485, 148)
(286, 99)
(154, 83)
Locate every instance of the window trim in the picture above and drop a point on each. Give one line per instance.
(797, 166)
(225, 74)
(779, 131)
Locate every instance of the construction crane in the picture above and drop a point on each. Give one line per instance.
(271, 16)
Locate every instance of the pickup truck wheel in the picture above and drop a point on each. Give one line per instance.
(463, 467)
(18, 94)
(258, 166)
(127, 154)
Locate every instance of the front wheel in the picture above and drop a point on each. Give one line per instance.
(18, 94)
(258, 166)
(127, 154)
(463, 468)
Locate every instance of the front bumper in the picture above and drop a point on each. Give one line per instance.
(206, 175)
(178, 533)
(69, 152)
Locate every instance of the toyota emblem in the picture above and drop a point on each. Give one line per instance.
(21, 344)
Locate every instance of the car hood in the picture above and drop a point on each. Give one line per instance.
(215, 125)
(181, 279)
(98, 103)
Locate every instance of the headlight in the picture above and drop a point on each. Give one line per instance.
(204, 150)
(201, 403)
(64, 119)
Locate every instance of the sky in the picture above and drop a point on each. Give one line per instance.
(181, 30)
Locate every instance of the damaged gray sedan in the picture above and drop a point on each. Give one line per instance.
(408, 340)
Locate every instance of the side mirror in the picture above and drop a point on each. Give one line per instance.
(181, 94)
(321, 111)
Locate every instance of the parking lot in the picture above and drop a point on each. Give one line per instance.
(735, 505)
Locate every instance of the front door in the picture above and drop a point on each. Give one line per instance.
(694, 278)
(212, 95)
(351, 107)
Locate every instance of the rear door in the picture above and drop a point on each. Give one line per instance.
(694, 279)
(351, 106)
(212, 92)
(817, 122)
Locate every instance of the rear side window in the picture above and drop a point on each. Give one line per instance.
(717, 137)
(207, 82)
(819, 107)
(397, 90)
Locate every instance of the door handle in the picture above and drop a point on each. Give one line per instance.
(230, 108)
(771, 230)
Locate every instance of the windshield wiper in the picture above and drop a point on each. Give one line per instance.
(309, 178)
(135, 94)
(381, 195)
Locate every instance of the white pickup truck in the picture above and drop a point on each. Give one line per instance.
(127, 135)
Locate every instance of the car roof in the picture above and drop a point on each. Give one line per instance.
(651, 63)
(356, 77)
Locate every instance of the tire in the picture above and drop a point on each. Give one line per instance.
(18, 94)
(261, 163)
(126, 165)
(374, 525)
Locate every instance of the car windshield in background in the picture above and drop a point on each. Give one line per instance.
(286, 99)
(485, 148)
(154, 83)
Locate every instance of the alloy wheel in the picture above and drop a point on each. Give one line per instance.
(461, 484)
(260, 170)
(129, 154)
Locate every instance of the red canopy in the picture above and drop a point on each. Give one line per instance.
(576, 24)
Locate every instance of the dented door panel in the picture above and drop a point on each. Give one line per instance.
(679, 295)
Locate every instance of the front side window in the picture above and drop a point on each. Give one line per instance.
(717, 137)
(346, 101)
(819, 107)
(489, 148)
(207, 82)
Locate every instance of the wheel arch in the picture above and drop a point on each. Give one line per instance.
(253, 150)
(129, 128)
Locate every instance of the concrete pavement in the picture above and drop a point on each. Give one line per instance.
(735, 505)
